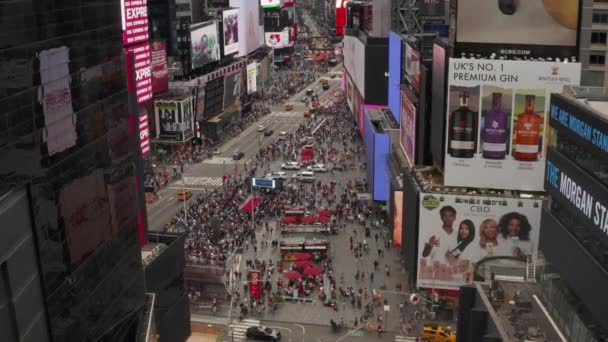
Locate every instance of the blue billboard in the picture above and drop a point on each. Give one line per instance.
(377, 148)
(394, 74)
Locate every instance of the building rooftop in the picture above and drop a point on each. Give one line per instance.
(150, 251)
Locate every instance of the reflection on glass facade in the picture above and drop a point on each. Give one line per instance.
(64, 135)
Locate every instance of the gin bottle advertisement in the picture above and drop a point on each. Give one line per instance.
(496, 121)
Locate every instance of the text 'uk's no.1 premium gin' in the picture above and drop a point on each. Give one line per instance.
(462, 130)
(527, 132)
(494, 132)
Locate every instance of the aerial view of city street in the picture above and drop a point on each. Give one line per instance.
(304, 171)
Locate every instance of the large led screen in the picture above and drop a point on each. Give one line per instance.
(160, 72)
(394, 74)
(251, 31)
(460, 231)
(412, 67)
(270, 3)
(381, 179)
(497, 121)
(278, 40)
(143, 71)
(397, 218)
(547, 28)
(407, 136)
(134, 20)
(354, 61)
(232, 88)
(230, 20)
(205, 44)
(252, 75)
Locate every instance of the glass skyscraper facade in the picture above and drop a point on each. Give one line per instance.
(67, 153)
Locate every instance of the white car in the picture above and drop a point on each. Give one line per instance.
(277, 175)
(261, 128)
(217, 152)
(290, 166)
(317, 168)
(282, 134)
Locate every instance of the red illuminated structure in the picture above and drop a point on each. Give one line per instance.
(255, 283)
(340, 16)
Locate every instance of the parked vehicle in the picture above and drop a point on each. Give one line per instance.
(238, 155)
(277, 175)
(261, 128)
(262, 333)
(305, 176)
(290, 166)
(317, 168)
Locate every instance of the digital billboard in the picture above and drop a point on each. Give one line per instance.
(411, 65)
(437, 138)
(458, 231)
(144, 134)
(340, 16)
(230, 21)
(523, 28)
(397, 218)
(271, 3)
(205, 44)
(354, 61)
(232, 88)
(251, 31)
(497, 120)
(394, 74)
(143, 71)
(134, 20)
(252, 76)
(381, 180)
(277, 40)
(160, 73)
(174, 120)
(407, 135)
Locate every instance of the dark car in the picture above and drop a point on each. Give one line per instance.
(309, 92)
(326, 86)
(238, 155)
(263, 334)
(268, 132)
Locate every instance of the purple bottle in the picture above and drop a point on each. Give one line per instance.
(494, 132)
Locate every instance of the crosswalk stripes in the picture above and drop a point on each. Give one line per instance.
(219, 160)
(238, 331)
(286, 115)
(400, 338)
(205, 182)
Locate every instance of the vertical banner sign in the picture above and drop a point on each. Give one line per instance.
(143, 72)
(134, 19)
(160, 74)
(252, 74)
(144, 134)
(497, 121)
(255, 283)
(408, 128)
(459, 231)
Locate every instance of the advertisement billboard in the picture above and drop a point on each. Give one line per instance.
(411, 64)
(381, 179)
(375, 74)
(144, 134)
(230, 20)
(407, 135)
(143, 71)
(397, 218)
(160, 74)
(523, 28)
(252, 77)
(134, 20)
(277, 40)
(205, 44)
(431, 8)
(174, 120)
(232, 88)
(438, 103)
(497, 119)
(354, 61)
(458, 231)
(394, 74)
(251, 31)
(350, 94)
(271, 3)
(340, 16)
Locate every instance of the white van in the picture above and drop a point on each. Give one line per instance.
(305, 176)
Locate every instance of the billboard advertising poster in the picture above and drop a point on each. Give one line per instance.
(231, 31)
(160, 74)
(277, 40)
(496, 121)
(232, 88)
(458, 231)
(431, 8)
(394, 74)
(524, 28)
(412, 67)
(354, 61)
(167, 122)
(205, 44)
(143, 71)
(252, 75)
(407, 135)
(271, 3)
(134, 20)
(251, 31)
(397, 218)
(144, 134)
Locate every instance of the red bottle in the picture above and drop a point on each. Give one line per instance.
(527, 132)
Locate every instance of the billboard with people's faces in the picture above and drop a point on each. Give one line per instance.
(458, 231)
(205, 44)
(231, 31)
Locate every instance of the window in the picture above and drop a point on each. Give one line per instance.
(600, 17)
(597, 59)
(598, 37)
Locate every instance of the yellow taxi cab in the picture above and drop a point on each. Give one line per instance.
(323, 81)
(437, 333)
(184, 195)
(288, 106)
(307, 114)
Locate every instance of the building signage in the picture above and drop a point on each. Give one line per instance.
(458, 231)
(174, 120)
(263, 183)
(143, 71)
(160, 74)
(497, 121)
(407, 136)
(144, 134)
(585, 127)
(134, 19)
(574, 188)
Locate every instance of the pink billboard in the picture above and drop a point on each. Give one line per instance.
(144, 134)
(134, 17)
(143, 73)
(160, 74)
